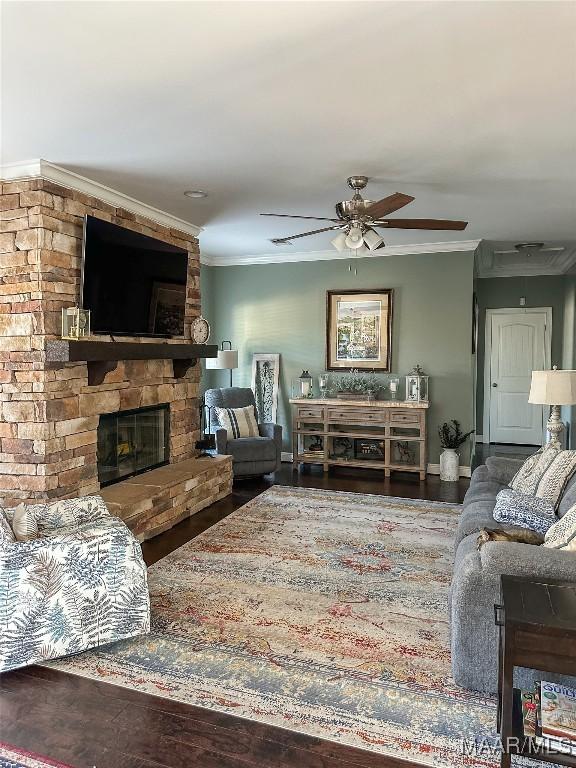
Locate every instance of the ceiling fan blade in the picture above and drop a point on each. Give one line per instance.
(281, 240)
(388, 205)
(290, 216)
(421, 224)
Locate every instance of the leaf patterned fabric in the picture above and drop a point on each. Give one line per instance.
(81, 585)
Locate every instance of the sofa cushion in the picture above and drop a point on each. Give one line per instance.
(502, 468)
(529, 474)
(523, 510)
(475, 516)
(252, 449)
(562, 535)
(482, 491)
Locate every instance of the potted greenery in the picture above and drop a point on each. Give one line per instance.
(451, 438)
(356, 386)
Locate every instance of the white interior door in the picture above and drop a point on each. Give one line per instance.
(517, 343)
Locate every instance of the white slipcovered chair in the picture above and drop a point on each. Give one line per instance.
(81, 583)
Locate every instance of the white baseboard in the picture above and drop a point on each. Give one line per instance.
(432, 469)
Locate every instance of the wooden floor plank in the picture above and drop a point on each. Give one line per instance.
(89, 723)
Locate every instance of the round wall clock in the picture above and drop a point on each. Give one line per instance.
(200, 330)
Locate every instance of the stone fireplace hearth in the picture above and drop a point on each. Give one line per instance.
(51, 411)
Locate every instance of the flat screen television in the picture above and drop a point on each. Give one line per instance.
(133, 285)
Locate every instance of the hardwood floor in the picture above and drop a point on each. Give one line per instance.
(86, 723)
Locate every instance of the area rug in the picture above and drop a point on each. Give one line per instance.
(13, 757)
(318, 611)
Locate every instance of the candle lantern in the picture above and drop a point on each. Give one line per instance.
(75, 323)
(417, 386)
(305, 384)
(394, 385)
(323, 384)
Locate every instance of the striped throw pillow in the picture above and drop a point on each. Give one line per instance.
(556, 477)
(238, 422)
(24, 523)
(562, 535)
(530, 473)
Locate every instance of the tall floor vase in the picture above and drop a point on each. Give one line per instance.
(449, 465)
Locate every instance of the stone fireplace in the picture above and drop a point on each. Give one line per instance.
(132, 442)
(52, 412)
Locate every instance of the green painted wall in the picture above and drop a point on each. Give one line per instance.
(502, 292)
(281, 308)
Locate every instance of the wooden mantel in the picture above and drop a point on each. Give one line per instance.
(103, 356)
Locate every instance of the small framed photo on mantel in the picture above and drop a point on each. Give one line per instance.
(359, 329)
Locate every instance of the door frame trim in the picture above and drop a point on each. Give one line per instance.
(488, 357)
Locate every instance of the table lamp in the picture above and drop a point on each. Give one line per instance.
(227, 359)
(554, 388)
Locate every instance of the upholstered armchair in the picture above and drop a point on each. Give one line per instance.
(250, 455)
(81, 583)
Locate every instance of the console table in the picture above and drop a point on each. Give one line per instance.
(374, 434)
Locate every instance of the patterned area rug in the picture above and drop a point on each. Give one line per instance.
(12, 757)
(318, 611)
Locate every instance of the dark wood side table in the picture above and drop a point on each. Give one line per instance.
(537, 620)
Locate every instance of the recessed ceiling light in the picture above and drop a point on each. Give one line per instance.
(196, 194)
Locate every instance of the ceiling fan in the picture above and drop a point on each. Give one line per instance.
(356, 219)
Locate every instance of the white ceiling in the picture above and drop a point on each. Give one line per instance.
(468, 106)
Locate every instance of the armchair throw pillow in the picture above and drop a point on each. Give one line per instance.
(524, 510)
(562, 535)
(238, 422)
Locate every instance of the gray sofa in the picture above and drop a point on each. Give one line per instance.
(250, 455)
(476, 578)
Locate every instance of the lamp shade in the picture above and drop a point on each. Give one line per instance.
(373, 239)
(355, 238)
(553, 388)
(339, 241)
(226, 360)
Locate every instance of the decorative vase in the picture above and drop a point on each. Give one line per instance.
(449, 465)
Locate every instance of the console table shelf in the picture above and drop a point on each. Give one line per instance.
(370, 434)
(103, 356)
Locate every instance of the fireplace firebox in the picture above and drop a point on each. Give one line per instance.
(132, 442)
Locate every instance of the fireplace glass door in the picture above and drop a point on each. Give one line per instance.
(131, 442)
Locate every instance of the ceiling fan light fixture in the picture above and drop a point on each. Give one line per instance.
(373, 239)
(354, 238)
(339, 242)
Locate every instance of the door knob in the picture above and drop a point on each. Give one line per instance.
(494, 385)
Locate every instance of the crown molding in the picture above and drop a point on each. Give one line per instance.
(333, 254)
(43, 169)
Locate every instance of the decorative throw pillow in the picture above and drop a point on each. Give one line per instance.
(6, 532)
(524, 510)
(562, 535)
(556, 477)
(238, 422)
(528, 476)
(24, 523)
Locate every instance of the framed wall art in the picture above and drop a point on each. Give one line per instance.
(359, 329)
(265, 377)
